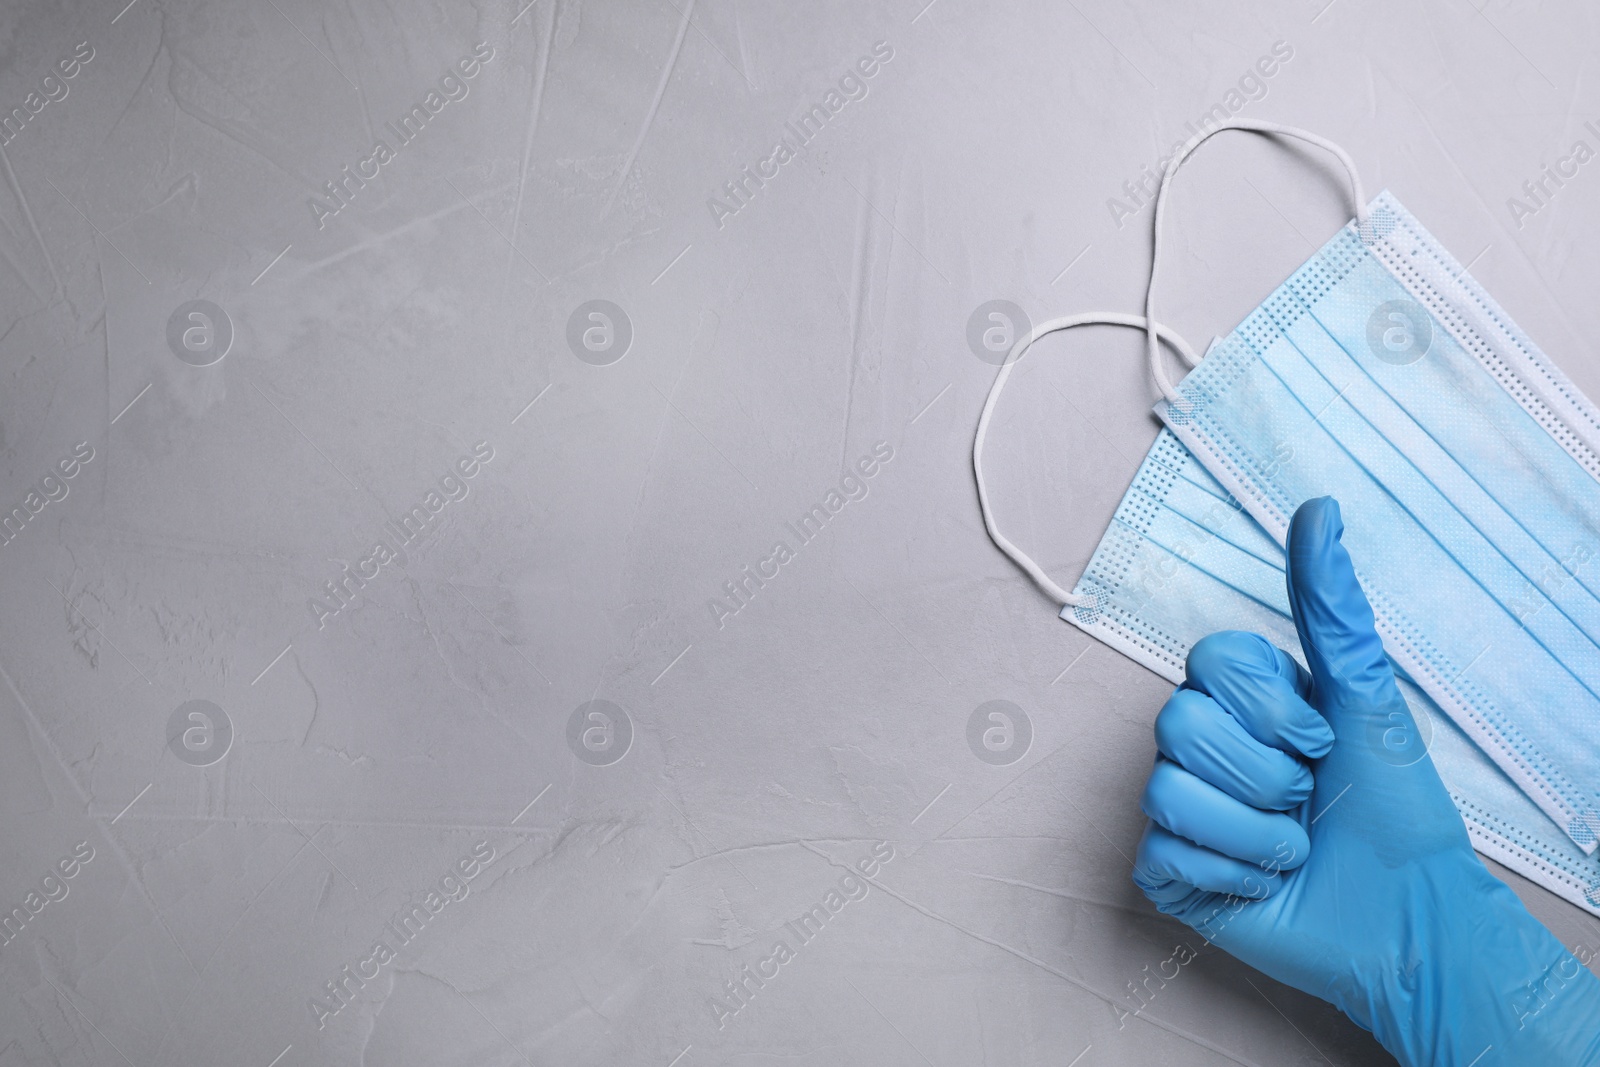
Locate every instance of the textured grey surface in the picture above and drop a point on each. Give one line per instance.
(773, 347)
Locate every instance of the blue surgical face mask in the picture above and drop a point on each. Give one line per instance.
(1182, 559)
(1381, 374)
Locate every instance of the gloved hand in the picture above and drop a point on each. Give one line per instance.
(1298, 824)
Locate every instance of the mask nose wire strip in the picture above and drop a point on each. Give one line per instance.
(1156, 370)
(1110, 318)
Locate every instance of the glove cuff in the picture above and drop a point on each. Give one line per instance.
(1481, 981)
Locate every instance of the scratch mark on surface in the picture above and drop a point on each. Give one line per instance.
(325, 58)
(674, 263)
(860, 296)
(509, 1043)
(325, 895)
(530, 404)
(245, 136)
(744, 62)
(83, 797)
(532, 802)
(377, 239)
(12, 240)
(674, 662)
(27, 213)
(1041, 964)
(5, 250)
(354, 55)
(760, 846)
(1302, 1033)
(133, 97)
(131, 803)
(232, 819)
(655, 448)
(132, 402)
(98, 231)
(316, 700)
(929, 404)
(936, 917)
(1026, 771)
(898, 231)
(932, 802)
(655, 104)
(1062, 893)
(90, 1021)
(274, 262)
(177, 1017)
(877, 1011)
(541, 69)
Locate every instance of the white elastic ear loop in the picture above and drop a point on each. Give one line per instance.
(1168, 390)
(1016, 554)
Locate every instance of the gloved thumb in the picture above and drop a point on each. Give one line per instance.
(1349, 673)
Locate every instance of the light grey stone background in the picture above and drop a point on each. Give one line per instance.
(374, 749)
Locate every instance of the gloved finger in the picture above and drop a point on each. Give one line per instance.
(1260, 685)
(1334, 620)
(1168, 868)
(1204, 814)
(1195, 732)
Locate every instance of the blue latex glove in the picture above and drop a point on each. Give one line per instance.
(1285, 830)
